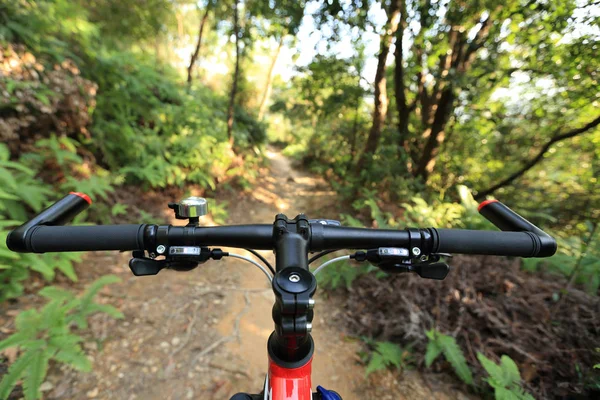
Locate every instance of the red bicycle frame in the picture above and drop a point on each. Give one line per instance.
(289, 383)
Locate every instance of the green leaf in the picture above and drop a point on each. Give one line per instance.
(15, 371)
(493, 370)
(451, 352)
(75, 358)
(455, 356)
(432, 353)
(65, 342)
(7, 178)
(27, 320)
(40, 265)
(96, 286)
(55, 293)
(510, 371)
(118, 209)
(67, 269)
(35, 374)
(376, 363)
(14, 340)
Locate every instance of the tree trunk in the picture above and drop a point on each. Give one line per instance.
(269, 86)
(399, 86)
(436, 134)
(482, 194)
(437, 108)
(198, 43)
(230, 111)
(381, 99)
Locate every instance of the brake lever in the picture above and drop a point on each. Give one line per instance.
(178, 258)
(143, 266)
(398, 260)
(437, 270)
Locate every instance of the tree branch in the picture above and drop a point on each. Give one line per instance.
(531, 163)
(198, 43)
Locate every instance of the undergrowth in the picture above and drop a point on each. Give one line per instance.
(50, 335)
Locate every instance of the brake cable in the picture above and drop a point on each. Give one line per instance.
(261, 258)
(320, 267)
(263, 269)
(324, 253)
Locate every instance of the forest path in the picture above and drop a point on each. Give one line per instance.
(202, 334)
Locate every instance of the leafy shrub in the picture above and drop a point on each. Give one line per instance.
(20, 193)
(505, 378)
(157, 133)
(46, 335)
(443, 344)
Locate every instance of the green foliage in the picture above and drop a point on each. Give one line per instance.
(346, 272)
(443, 344)
(504, 378)
(577, 256)
(20, 193)
(342, 274)
(158, 135)
(46, 335)
(386, 355)
(417, 213)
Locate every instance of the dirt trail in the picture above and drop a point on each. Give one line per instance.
(202, 334)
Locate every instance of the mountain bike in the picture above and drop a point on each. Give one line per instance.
(290, 347)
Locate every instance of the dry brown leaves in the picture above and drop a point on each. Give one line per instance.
(36, 101)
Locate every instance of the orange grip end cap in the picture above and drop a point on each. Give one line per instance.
(83, 196)
(485, 203)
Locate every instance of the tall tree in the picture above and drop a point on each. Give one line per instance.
(449, 55)
(198, 42)
(236, 73)
(380, 83)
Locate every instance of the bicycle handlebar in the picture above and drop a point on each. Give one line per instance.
(518, 238)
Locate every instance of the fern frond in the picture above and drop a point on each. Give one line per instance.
(95, 287)
(433, 350)
(35, 374)
(455, 356)
(15, 371)
(15, 339)
(55, 293)
(74, 357)
(440, 343)
(376, 363)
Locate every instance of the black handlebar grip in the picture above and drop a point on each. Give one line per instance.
(518, 244)
(507, 220)
(59, 213)
(45, 239)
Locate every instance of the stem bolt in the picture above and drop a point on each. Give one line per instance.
(308, 327)
(161, 249)
(416, 251)
(294, 278)
(311, 304)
